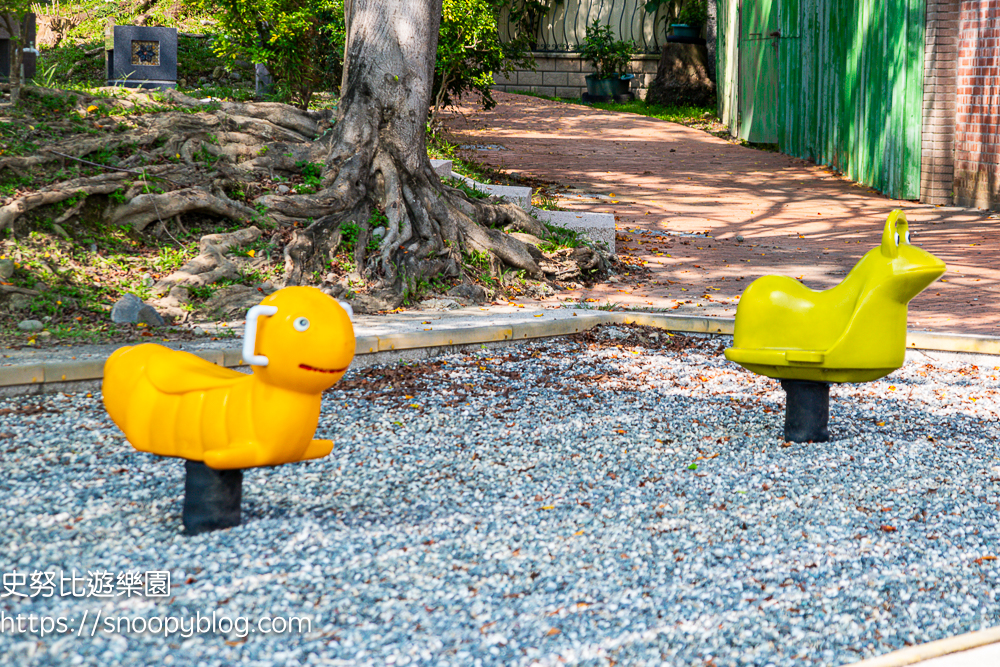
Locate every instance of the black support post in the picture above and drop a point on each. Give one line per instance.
(807, 410)
(212, 498)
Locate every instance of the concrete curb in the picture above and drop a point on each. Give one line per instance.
(513, 193)
(952, 342)
(916, 654)
(682, 323)
(600, 227)
(29, 377)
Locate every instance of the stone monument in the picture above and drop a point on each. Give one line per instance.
(140, 56)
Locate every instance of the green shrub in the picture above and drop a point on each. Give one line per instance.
(693, 12)
(301, 42)
(609, 56)
(686, 12)
(470, 52)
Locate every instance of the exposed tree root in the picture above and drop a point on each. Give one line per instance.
(200, 153)
(225, 160)
(309, 124)
(211, 264)
(99, 185)
(144, 209)
(302, 207)
(76, 147)
(13, 289)
(566, 264)
(430, 226)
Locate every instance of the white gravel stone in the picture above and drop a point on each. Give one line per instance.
(551, 503)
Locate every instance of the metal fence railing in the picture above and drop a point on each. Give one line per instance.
(562, 27)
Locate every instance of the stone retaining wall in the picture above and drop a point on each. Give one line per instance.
(562, 75)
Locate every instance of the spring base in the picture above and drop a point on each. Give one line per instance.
(212, 498)
(807, 410)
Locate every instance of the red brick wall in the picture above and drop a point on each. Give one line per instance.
(977, 105)
(937, 159)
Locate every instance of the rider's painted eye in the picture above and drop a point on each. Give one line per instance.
(897, 238)
(301, 324)
(907, 237)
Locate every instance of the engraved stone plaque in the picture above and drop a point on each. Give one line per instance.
(143, 57)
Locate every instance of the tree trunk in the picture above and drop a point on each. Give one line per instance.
(378, 160)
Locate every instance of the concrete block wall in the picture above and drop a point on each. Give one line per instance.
(562, 75)
(29, 60)
(977, 105)
(937, 161)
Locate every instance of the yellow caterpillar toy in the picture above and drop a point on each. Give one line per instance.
(298, 341)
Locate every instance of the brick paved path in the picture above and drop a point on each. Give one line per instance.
(796, 219)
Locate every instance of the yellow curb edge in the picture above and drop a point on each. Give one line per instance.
(914, 654)
(35, 373)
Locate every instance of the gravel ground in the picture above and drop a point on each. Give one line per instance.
(621, 497)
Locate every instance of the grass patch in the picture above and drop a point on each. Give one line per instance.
(543, 199)
(560, 237)
(685, 115)
(79, 278)
(678, 114)
(464, 187)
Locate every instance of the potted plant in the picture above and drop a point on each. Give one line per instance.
(691, 16)
(610, 58)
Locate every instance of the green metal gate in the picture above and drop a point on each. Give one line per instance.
(836, 81)
(758, 74)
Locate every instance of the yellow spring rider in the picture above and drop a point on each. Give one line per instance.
(854, 332)
(298, 341)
